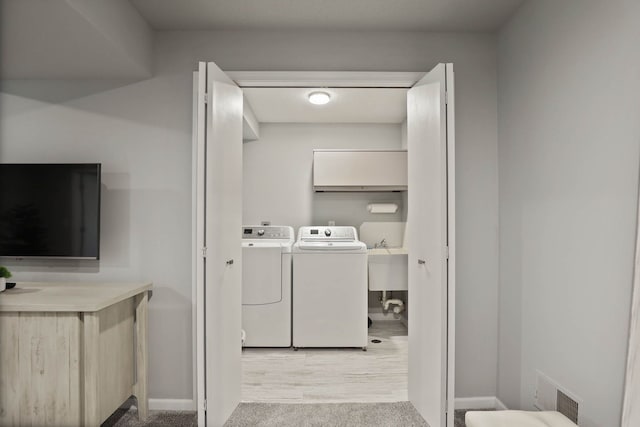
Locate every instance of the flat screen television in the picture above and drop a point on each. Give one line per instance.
(50, 211)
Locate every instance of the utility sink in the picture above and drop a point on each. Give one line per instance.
(388, 269)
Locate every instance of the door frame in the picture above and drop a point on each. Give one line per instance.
(355, 79)
(451, 240)
(631, 398)
(197, 241)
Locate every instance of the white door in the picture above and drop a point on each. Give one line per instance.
(631, 402)
(431, 252)
(218, 240)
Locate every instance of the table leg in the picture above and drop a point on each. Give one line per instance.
(140, 388)
(91, 350)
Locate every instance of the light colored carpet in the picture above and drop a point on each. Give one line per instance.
(265, 414)
(389, 414)
(129, 418)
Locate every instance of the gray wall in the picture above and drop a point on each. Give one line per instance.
(569, 134)
(278, 182)
(475, 59)
(141, 132)
(277, 175)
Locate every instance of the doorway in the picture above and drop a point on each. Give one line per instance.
(282, 185)
(430, 136)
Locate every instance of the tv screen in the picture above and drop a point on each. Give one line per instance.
(50, 210)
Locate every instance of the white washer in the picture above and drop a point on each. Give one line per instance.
(266, 285)
(329, 288)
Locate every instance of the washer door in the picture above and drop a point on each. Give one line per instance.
(261, 275)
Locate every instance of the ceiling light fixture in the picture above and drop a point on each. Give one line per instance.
(319, 98)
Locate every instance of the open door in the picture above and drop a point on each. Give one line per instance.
(431, 228)
(218, 201)
(631, 401)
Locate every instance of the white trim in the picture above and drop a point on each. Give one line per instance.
(324, 78)
(631, 399)
(198, 243)
(172, 405)
(451, 237)
(194, 234)
(500, 406)
(250, 123)
(340, 79)
(481, 402)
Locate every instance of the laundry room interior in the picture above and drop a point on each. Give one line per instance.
(287, 151)
(546, 196)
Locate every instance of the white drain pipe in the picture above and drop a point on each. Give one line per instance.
(397, 302)
(387, 302)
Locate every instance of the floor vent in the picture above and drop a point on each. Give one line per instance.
(567, 406)
(550, 396)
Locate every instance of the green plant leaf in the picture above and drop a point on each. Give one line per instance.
(4, 272)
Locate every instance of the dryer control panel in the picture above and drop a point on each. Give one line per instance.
(266, 232)
(322, 233)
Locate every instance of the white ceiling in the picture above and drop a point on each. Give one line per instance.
(73, 39)
(348, 105)
(360, 15)
(79, 39)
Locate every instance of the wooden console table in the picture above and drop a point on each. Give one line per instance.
(72, 353)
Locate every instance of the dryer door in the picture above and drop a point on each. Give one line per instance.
(261, 275)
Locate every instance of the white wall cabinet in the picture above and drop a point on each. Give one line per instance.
(359, 170)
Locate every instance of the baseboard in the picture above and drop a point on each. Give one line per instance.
(172, 404)
(500, 406)
(482, 402)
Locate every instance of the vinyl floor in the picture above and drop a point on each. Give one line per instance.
(330, 375)
(348, 377)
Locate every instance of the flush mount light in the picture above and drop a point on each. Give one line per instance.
(319, 98)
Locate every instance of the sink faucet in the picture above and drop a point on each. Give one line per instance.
(381, 244)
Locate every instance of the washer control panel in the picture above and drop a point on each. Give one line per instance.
(327, 233)
(266, 232)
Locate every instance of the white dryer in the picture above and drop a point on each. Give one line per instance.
(329, 288)
(266, 285)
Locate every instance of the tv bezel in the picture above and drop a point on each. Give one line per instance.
(58, 257)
